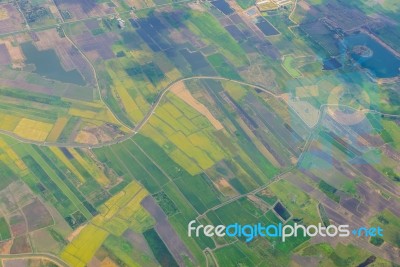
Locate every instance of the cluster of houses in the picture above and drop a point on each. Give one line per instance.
(121, 23)
(266, 5)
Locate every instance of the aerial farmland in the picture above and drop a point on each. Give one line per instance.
(121, 121)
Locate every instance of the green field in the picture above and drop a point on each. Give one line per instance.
(122, 121)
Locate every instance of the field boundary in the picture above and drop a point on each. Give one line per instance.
(160, 97)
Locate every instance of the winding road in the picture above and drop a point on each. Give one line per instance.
(157, 102)
(28, 256)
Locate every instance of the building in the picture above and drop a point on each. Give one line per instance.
(266, 5)
(121, 23)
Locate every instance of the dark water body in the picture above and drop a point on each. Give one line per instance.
(266, 27)
(331, 64)
(47, 64)
(382, 63)
(368, 261)
(223, 6)
(282, 211)
(196, 60)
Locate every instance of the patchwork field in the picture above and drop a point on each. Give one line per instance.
(122, 121)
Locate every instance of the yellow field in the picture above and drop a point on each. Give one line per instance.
(161, 126)
(236, 91)
(82, 113)
(128, 83)
(57, 129)
(95, 112)
(129, 104)
(174, 123)
(172, 110)
(33, 130)
(186, 109)
(3, 14)
(82, 249)
(129, 210)
(188, 124)
(183, 160)
(173, 74)
(120, 212)
(142, 103)
(12, 159)
(129, 92)
(97, 174)
(154, 134)
(9, 122)
(195, 149)
(182, 142)
(11, 156)
(124, 210)
(123, 197)
(67, 163)
(203, 142)
(184, 94)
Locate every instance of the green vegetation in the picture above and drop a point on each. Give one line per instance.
(5, 233)
(159, 249)
(329, 190)
(390, 224)
(7, 175)
(218, 151)
(165, 203)
(222, 67)
(376, 241)
(232, 255)
(209, 28)
(324, 216)
(245, 4)
(288, 64)
(338, 143)
(124, 253)
(32, 11)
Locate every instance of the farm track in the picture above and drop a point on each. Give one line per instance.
(147, 117)
(160, 97)
(45, 27)
(28, 256)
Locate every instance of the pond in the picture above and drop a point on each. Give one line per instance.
(372, 55)
(48, 65)
(331, 64)
(266, 27)
(223, 7)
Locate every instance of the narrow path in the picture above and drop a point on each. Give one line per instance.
(27, 256)
(44, 27)
(97, 81)
(160, 97)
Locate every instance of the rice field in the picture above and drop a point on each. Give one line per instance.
(33, 130)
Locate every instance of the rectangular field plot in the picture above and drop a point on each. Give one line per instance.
(10, 18)
(33, 130)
